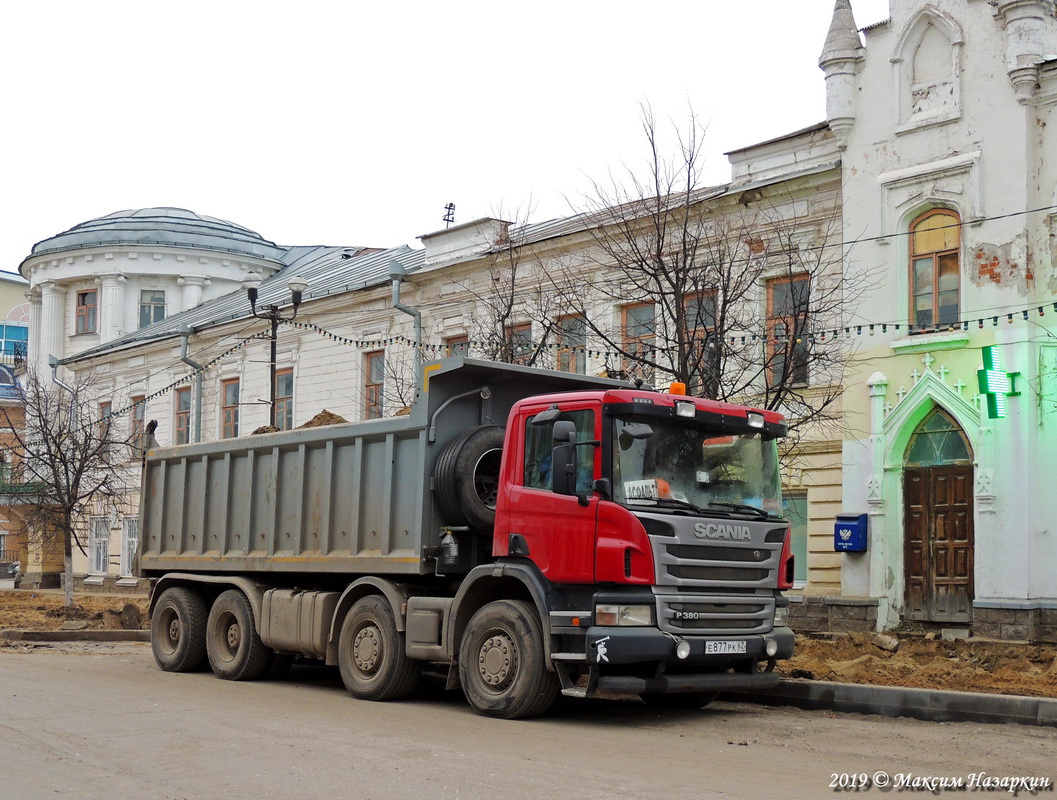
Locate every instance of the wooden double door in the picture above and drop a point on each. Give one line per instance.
(938, 552)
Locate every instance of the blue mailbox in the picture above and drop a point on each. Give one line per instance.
(849, 533)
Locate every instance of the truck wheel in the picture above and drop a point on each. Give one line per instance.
(178, 630)
(502, 666)
(371, 656)
(467, 478)
(236, 652)
(687, 701)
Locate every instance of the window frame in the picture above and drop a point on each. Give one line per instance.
(635, 346)
(784, 347)
(458, 345)
(571, 345)
(229, 408)
(284, 403)
(936, 257)
(518, 339)
(700, 334)
(182, 415)
(98, 545)
(374, 384)
(86, 317)
(151, 307)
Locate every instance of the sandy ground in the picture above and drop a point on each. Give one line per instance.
(29, 610)
(962, 665)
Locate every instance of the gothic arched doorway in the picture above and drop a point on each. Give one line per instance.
(938, 522)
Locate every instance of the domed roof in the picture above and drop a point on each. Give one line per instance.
(172, 227)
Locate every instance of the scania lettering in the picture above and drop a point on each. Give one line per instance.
(529, 533)
(711, 530)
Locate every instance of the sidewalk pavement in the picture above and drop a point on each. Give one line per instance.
(888, 701)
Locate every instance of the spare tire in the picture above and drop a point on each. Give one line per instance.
(466, 478)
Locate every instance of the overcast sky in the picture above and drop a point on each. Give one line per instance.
(354, 123)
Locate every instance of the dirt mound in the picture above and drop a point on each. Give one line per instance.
(964, 665)
(324, 417)
(44, 611)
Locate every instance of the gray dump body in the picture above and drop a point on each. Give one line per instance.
(350, 498)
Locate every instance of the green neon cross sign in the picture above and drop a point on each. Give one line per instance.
(995, 384)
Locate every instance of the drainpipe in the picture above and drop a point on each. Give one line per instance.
(185, 332)
(397, 273)
(53, 362)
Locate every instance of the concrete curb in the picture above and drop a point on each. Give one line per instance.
(924, 704)
(76, 636)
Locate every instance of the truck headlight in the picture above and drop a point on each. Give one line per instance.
(610, 615)
(781, 616)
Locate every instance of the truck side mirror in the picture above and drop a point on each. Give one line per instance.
(563, 458)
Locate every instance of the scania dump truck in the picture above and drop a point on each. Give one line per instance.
(530, 532)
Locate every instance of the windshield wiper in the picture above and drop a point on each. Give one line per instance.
(669, 502)
(758, 512)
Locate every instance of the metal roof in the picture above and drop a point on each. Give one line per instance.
(161, 227)
(327, 270)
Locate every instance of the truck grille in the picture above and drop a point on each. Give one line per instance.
(721, 615)
(706, 565)
(722, 588)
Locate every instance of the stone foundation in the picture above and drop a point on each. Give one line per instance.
(832, 614)
(109, 584)
(1017, 624)
(850, 614)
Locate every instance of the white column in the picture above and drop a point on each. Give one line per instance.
(33, 345)
(192, 291)
(52, 314)
(112, 311)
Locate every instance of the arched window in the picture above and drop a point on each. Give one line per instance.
(938, 441)
(935, 258)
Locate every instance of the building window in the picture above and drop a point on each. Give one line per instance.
(794, 509)
(374, 384)
(229, 408)
(129, 544)
(788, 303)
(935, 247)
(105, 410)
(13, 340)
(639, 332)
(703, 362)
(572, 344)
(284, 399)
(151, 306)
(183, 415)
(87, 305)
(457, 345)
(98, 545)
(137, 415)
(519, 343)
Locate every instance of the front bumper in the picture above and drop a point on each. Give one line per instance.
(612, 651)
(633, 645)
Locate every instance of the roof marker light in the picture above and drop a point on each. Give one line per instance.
(677, 387)
(685, 409)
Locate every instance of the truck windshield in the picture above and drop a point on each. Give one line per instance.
(669, 460)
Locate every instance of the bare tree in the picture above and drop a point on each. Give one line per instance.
(515, 312)
(72, 458)
(732, 292)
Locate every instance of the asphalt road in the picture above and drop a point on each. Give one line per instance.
(95, 720)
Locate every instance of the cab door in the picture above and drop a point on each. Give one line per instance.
(555, 531)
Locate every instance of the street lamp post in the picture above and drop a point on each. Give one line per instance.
(297, 286)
